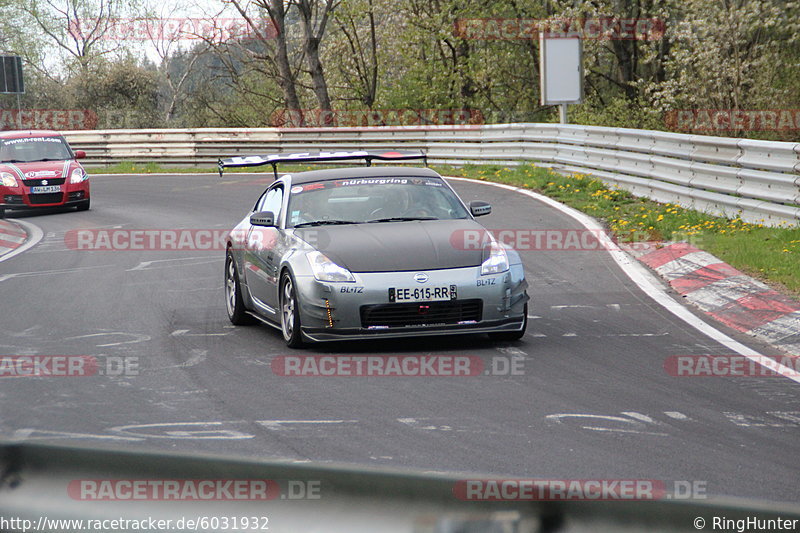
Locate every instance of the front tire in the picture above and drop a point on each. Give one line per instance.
(512, 335)
(84, 205)
(290, 313)
(2, 213)
(234, 302)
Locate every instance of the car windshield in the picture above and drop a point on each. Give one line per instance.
(373, 200)
(30, 149)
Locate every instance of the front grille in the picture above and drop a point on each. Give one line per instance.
(38, 182)
(421, 313)
(49, 198)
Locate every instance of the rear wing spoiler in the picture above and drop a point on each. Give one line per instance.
(319, 157)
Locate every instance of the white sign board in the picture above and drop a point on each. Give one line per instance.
(560, 63)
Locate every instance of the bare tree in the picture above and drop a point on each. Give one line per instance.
(81, 28)
(279, 59)
(314, 16)
(362, 48)
(167, 46)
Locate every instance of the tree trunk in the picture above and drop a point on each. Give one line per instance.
(313, 38)
(286, 81)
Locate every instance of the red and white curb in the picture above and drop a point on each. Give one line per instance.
(11, 237)
(735, 299)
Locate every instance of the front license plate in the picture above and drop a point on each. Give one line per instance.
(423, 294)
(45, 188)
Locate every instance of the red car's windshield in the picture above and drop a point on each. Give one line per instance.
(27, 150)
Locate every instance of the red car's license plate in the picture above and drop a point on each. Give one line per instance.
(45, 188)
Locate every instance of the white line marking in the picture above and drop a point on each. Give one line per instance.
(639, 416)
(185, 333)
(558, 417)
(511, 351)
(207, 434)
(35, 235)
(676, 415)
(280, 425)
(144, 265)
(648, 283)
(634, 335)
(137, 338)
(304, 421)
(626, 431)
(49, 272)
(25, 434)
(792, 416)
(569, 335)
(638, 422)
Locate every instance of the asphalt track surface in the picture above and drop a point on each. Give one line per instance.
(593, 400)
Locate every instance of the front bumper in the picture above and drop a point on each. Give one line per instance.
(336, 311)
(20, 197)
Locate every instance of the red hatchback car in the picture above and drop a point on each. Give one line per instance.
(39, 169)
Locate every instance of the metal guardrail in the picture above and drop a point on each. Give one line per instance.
(42, 486)
(757, 180)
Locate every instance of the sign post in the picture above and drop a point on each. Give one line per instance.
(11, 80)
(561, 66)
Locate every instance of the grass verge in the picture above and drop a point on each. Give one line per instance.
(768, 253)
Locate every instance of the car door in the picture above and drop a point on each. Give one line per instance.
(261, 257)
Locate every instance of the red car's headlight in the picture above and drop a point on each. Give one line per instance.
(7, 179)
(78, 175)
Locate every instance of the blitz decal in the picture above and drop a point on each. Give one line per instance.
(354, 290)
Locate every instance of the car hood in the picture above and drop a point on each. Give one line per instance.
(396, 246)
(42, 170)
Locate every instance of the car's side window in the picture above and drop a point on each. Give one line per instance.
(273, 202)
(260, 203)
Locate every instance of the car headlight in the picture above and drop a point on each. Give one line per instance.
(497, 261)
(78, 175)
(7, 179)
(326, 270)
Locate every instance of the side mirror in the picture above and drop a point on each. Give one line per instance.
(263, 218)
(478, 208)
(80, 154)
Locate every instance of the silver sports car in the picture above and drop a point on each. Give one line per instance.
(357, 253)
